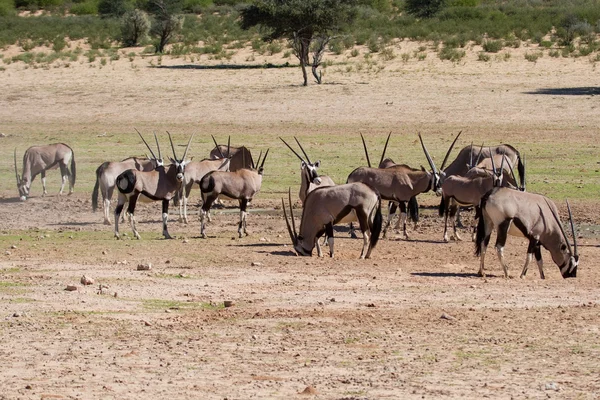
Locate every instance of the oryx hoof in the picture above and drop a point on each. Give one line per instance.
(107, 222)
(203, 235)
(446, 239)
(456, 238)
(116, 236)
(138, 237)
(406, 237)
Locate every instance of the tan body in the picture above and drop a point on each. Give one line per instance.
(529, 215)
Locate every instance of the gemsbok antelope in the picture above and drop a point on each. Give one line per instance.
(242, 185)
(39, 159)
(529, 215)
(466, 191)
(194, 172)
(240, 157)
(326, 206)
(107, 172)
(159, 185)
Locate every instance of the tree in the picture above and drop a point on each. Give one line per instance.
(167, 20)
(112, 8)
(134, 27)
(424, 8)
(301, 22)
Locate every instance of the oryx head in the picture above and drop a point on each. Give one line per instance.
(179, 163)
(498, 175)
(261, 164)
(438, 176)
(156, 161)
(297, 240)
(22, 184)
(568, 269)
(306, 166)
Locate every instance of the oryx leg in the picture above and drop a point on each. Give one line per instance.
(165, 218)
(540, 262)
(458, 220)
(106, 196)
(530, 250)
(131, 211)
(453, 209)
(66, 176)
(43, 179)
(352, 231)
(392, 206)
(242, 223)
(120, 203)
(502, 234)
(445, 205)
(403, 219)
(363, 220)
(206, 204)
(488, 226)
(185, 194)
(329, 234)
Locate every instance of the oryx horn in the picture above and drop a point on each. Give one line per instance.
(502, 163)
(576, 254)
(303, 152)
(524, 169)
(480, 154)
(229, 146)
(450, 150)
(471, 158)
(431, 164)
(157, 146)
(262, 164)
(16, 172)
(293, 235)
(366, 152)
(217, 146)
(146, 143)
(385, 148)
(172, 146)
(187, 147)
(293, 151)
(493, 163)
(512, 173)
(560, 226)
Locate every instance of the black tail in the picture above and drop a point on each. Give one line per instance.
(99, 172)
(377, 225)
(413, 209)
(442, 207)
(481, 224)
(73, 169)
(521, 169)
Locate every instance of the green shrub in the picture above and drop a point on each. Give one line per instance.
(113, 8)
(274, 47)
(493, 46)
(87, 8)
(135, 26)
(533, 57)
(448, 53)
(196, 6)
(7, 7)
(59, 44)
(482, 56)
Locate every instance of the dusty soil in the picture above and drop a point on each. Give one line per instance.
(413, 322)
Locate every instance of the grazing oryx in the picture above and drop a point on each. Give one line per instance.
(240, 157)
(310, 179)
(399, 184)
(107, 172)
(242, 184)
(194, 171)
(467, 191)
(159, 185)
(38, 160)
(411, 205)
(529, 215)
(326, 206)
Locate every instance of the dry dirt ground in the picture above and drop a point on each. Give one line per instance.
(412, 322)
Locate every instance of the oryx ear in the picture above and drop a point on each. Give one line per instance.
(302, 164)
(422, 168)
(318, 164)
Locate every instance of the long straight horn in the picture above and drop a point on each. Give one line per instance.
(218, 148)
(471, 158)
(293, 151)
(157, 146)
(292, 212)
(257, 161)
(385, 148)
(262, 164)
(172, 146)
(493, 163)
(187, 147)
(16, 171)
(146, 143)
(502, 164)
(366, 152)
(480, 154)
(429, 160)
(303, 152)
(576, 253)
(523, 178)
(229, 146)
(512, 173)
(450, 150)
(560, 226)
(287, 222)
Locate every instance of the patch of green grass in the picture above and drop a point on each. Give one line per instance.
(6, 284)
(160, 304)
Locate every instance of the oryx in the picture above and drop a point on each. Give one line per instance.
(160, 184)
(529, 215)
(240, 157)
(309, 178)
(39, 159)
(242, 184)
(467, 191)
(326, 206)
(107, 172)
(194, 171)
(399, 184)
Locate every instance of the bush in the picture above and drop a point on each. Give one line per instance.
(423, 8)
(135, 26)
(85, 8)
(7, 7)
(448, 53)
(113, 8)
(493, 46)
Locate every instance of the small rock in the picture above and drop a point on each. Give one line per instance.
(28, 387)
(185, 241)
(371, 305)
(71, 288)
(447, 317)
(104, 252)
(8, 253)
(18, 314)
(146, 323)
(85, 280)
(551, 386)
(2, 134)
(332, 300)
(228, 303)
(262, 239)
(256, 264)
(144, 267)
(309, 390)
(115, 295)
(13, 246)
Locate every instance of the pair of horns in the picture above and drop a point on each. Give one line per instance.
(494, 170)
(367, 152)
(292, 228)
(562, 230)
(186, 149)
(430, 160)
(294, 151)
(258, 162)
(219, 148)
(146, 143)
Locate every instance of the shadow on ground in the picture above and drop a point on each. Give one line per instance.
(573, 91)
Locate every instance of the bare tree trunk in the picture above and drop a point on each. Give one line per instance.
(318, 50)
(301, 47)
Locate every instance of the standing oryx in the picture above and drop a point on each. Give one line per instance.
(39, 159)
(240, 157)
(242, 184)
(194, 171)
(326, 206)
(159, 185)
(107, 172)
(529, 215)
(309, 178)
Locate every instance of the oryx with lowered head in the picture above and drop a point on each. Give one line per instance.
(529, 215)
(194, 172)
(242, 185)
(240, 157)
(107, 172)
(39, 159)
(160, 184)
(326, 206)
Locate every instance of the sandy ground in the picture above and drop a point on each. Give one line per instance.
(412, 322)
